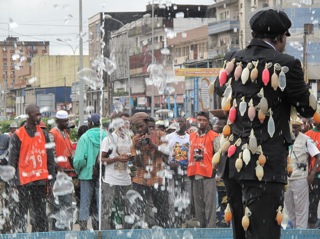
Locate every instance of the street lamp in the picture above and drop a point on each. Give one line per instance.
(107, 16)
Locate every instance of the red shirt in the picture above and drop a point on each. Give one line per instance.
(204, 145)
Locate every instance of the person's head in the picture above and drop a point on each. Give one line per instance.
(126, 119)
(296, 126)
(272, 25)
(140, 122)
(160, 125)
(182, 124)
(13, 127)
(82, 129)
(203, 120)
(221, 120)
(94, 120)
(34, 115)
(62, 119)
(151, 124)
(307, 124)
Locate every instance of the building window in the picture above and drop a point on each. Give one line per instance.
(97, 31)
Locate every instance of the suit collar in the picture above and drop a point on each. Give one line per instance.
(260, 43)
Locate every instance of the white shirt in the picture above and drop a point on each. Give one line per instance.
(118, 172)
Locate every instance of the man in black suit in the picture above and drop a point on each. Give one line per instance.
(259, 116)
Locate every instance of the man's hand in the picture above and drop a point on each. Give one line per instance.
(123, 158)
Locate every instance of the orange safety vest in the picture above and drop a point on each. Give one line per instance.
(315, 136)
(33, 156)
(205, 144)
(63, 148)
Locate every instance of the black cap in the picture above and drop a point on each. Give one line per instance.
(270, 22)
(204, 114)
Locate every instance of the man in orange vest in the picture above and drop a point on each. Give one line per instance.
(63, 153)
(314, 176)
(202, 173)
(35, 171)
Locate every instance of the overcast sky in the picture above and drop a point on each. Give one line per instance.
(47, 20)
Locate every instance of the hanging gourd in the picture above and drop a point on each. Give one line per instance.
(271, 125)
(275, 77)
(245, 73)
(233, 112)
(312, 100)
(262, 158)
(263, 104)
(216, 158)
(282, 78)
(246, 154)
(238, 71)
(239, 162)
(227, 214)
(232, 149)
(245, 219)
(259, 171)
(266, 73)
(254, 72)
(251, 111)
(242, 106)
(279, 216)
(253, 144)
(223, 75)
(230, 66)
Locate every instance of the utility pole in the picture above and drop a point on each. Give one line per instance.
(81, 98)
(153, 61)
(308, 29)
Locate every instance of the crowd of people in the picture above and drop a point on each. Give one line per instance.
(255, 162)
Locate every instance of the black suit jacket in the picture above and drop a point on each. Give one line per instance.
(295, 94)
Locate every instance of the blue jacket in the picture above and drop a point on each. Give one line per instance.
(87, 150)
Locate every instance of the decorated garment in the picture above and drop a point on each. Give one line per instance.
(261, 88)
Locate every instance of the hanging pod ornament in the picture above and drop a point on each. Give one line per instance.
(216, 158)
(262, 158)
(271, 125)
(243, 106)
(233, 148)
(233, 112)
(259, 171)
(245, 219)
(279, 216)
(226, 145)
(312, 100)
(275, 77)
(266, 73)
(263, 104)
(222, 141)
(246, 154)
(238, 71)
(223, 75)
(261, 116)
(253, 144)
(282, 78)
(226, 130)
(293, 113)
(254, 72)
(239, 162)
(230, 66)
(251, 111)
(245, 73)
(227, 214)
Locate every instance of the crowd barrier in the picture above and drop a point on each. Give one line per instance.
(157, 233)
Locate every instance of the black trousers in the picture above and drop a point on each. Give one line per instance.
(263, 200)
(314, 197)
(32, 199)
